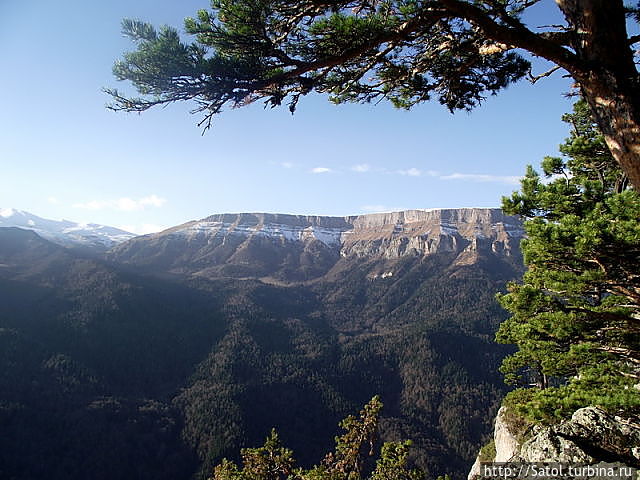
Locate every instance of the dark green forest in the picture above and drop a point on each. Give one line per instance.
(112, 374)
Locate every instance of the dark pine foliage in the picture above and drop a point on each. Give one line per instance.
(575, 316)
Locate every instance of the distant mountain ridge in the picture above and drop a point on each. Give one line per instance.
(398, 233)
(65, 232)
(340, 230)
(253, 244)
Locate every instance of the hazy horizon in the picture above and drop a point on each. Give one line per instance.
(66, 156)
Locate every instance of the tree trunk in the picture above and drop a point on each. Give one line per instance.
(618, 117)
(608, 76)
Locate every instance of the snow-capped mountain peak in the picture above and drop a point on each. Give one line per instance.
(8, 212)
(65, 232)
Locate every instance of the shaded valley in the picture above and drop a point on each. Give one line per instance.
(174, 350)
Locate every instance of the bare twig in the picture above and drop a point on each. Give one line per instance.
(548, 73)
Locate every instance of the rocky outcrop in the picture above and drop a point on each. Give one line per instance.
(592, 437)
(425, 232)
(505, 439)
(505, 445)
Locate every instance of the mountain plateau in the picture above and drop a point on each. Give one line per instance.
(297, 248)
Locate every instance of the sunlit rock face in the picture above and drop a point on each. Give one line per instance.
(298, 247)
(591, 436)
(425, 232)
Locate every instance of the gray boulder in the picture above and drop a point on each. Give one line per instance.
(592, 436)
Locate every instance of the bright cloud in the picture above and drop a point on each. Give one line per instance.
(152, 201)
(361, 168)
(480, 177)
(286, 164)
(124, 204)
(128, 205)
(321, 170)
(412, 172)
(53, 200)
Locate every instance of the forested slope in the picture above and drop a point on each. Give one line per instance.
(112, 373)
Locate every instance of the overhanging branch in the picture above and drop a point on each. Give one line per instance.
(521, 37)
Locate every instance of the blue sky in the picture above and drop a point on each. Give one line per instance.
(63, 155)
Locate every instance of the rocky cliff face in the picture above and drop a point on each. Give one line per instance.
(591, 436)
(425, 232)
(260, 244)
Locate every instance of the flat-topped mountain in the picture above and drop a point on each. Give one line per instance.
(343, 231)
(297, 247)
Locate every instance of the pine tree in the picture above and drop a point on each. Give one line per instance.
(405, 51)
(576, 314)
(274, 462)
